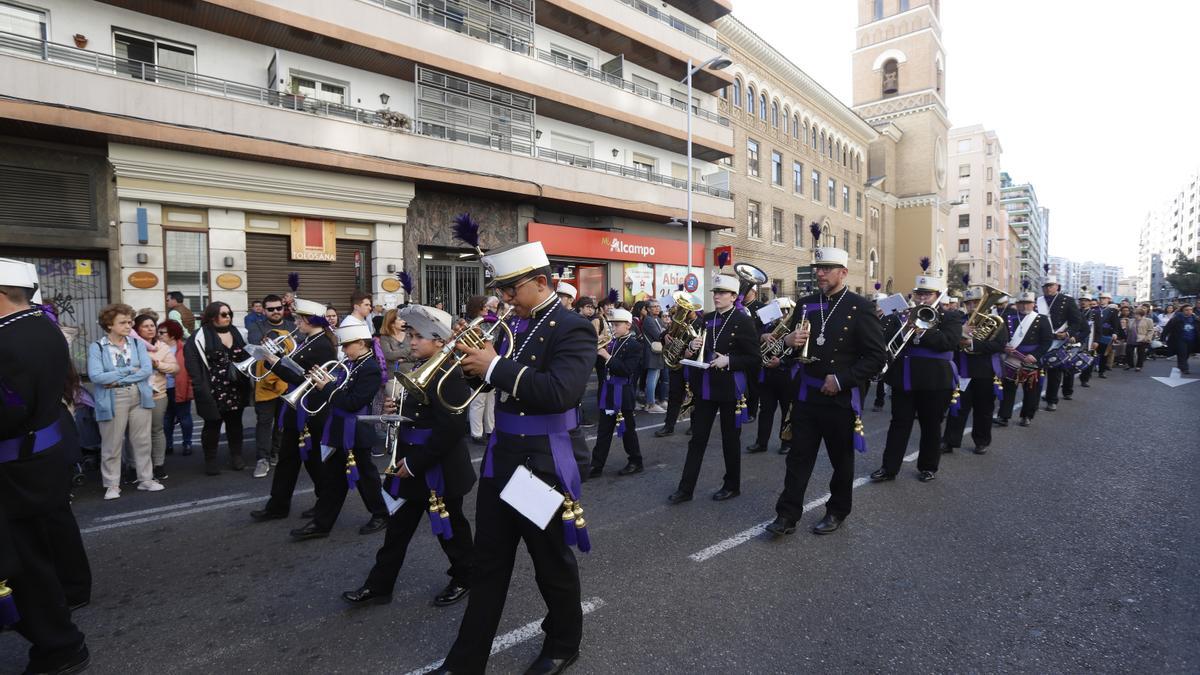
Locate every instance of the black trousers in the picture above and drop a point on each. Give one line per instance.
(70, 558)
(1183, 350)
(675, 390)
(703, 416)
(210, 435)
(334, 486)
(283, 481)
(774, 391)
(1029, 405)
(1135, 355)
(498, 529)
(1059, 380)
(402, 525)
(604, 435)
(927, 408)
(812, 424)
(978, 401)
(753, 391)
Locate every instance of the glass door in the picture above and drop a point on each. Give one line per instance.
(187, 267)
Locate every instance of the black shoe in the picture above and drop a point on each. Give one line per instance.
(366, 596)
(880, 475)
(1103, 376)
(375, 524)
(724, 494)
(630, 469)
(479, 440)
(750, 419)
(236, 463)
(211, 467)
(927, 476)
(664, 432)
(544, 665)
(160, 472)
(587, 424)
(309, 513)
(679, 497)
(170, 450)
(309, 531)
(76, 664)
(946, 448)
(981, 449)
(595, 472)
(263, 515)
(187, 450)
(1000, 421)
(1084, 384)
(782, 526)
(129, 476)
(689, 429)
(452, 593)
(756, 448)
(1025, 421)
(783, 449)
(1051, 407)
(75, 605)
(828, 524)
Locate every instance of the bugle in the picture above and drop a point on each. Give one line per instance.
(421, 381)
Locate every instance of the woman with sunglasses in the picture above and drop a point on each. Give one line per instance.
(162, 356)
(221, 392)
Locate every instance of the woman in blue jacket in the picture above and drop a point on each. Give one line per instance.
(119, 366)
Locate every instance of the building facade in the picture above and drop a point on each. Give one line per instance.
(193, 147)
(801, 158)
(977, 239)
(1030, 222)
(1067, 273)
(1170, 228)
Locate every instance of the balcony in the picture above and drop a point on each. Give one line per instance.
(131, 101)
(707, 11)
(676, 23)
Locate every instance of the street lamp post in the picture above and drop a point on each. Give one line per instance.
(715, 63)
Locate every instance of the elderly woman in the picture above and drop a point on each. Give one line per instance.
(120, 368)
(220, 390)
(162, 356)
(1138, 334)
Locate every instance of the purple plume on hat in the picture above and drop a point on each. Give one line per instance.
(466, 230)
(815, 229)
(680, 287)
(319, 321)
(48, 310)
(1100, 288)
(1083, 288)
(406, 281)
(294, 281)
(722, 259)
(613, 295)
(774, 289)
(878, 285)
(925, 264)
(560, 271)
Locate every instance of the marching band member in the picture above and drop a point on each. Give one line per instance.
(923, 381)
(731, 343)
(1065, 322)
(622, 361)
(775, 389)
(979, 364)
(844, 349)
(300, 431)
(676, 387)
(1030, 339)
(1105, 321)
(430, 474)
(347, 441)
(566, 294)
(539, 386)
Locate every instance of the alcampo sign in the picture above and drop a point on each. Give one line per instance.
(578, 242)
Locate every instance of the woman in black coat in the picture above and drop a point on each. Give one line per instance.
(221, 391)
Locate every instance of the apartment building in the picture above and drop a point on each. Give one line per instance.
(977, 237)
(1031, 223)
(1172, 227)
(212, 146)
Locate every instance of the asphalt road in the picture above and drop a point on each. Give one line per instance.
(1072, 546)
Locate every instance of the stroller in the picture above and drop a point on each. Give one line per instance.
(89, 437)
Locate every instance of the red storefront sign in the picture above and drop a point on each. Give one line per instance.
(577, 242)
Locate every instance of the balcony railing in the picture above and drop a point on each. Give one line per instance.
(473, 20)
(151, 74)
(615, 81)
(676, 23)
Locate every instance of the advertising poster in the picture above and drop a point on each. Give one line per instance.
(639, 282)
(667, 279)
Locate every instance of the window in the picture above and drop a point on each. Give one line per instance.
(570, 59)
(725, 93)
(787, 122)
(903, 5)
(827, 237)
(798, 230)
(752, 209)
(964, 196)
(143, 56)
(989, 198)
(964, 220)
(989, 270)
(846, 240)
(816, 185)
(964, 245)
(845, 198)
(964, 145)
(322, 91)
(874, 219)
(989, 222)
(750, 99)
(964, 170)
(751, 157)
(878, 14)
(777, 225)
(989, 173)
(775, 114)
(644, 164)
(872, 264)
(813, 143)
(891, 77)
(25, 22)
(831, 189)
(822, 142)
(798, 178)
(858, 247)
(989, 148)
(989, 248)
(737, 92)
(642, 85)
(762, 106)
(776, 168)
(857, 204)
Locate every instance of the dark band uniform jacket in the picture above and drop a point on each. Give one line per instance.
(738, 341)
(854, 347)
(446, 447)
(626, 362)
(927, 374)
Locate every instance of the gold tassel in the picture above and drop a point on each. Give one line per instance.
(568, 513)
(577, 514)
(433, 503)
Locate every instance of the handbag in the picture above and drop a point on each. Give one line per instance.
(656, 346)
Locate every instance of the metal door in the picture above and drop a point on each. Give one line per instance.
(450, 283)
(78, 289)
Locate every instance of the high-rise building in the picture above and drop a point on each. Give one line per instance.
(1098, 277)
(1171, 228)
(977, 239)
(1030, 223)
(898, 69)
(1067, 273)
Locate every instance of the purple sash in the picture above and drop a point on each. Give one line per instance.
(439, 517)
(924, 353)
(301, 421)
(618, 389)
(806, 381)
(408, 436)
(42, 439)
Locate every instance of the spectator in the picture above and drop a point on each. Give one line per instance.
(180, 313)
(120, 368)
(652, 328)
(162, 356)
(1181, 335)
(331, 315)
(1138, 334)
(269, 389)
(360, 309)
(1116, 351)
(482, 411)
(179, 391)
(221, 392)
(397, 348)
(255, 315)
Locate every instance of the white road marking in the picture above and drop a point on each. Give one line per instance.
(180, 512)
(516, 637)
(172, 507)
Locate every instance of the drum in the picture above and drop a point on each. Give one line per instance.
(1078, 361)
(1056, 358)
(1015, 369)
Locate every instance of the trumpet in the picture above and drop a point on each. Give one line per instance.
(282, 344)
(420, 382)
(774, 346)
(921, 317)
(297, 398)
(805, 324)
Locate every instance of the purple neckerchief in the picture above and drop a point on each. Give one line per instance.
(439, 518)
(1027, 349)
(557, 428)
(806, 381)
(42, 439)
(380, 358)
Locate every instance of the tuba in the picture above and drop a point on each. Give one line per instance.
(421, 382)
(680, 331)
(751, 276)
(983, 324)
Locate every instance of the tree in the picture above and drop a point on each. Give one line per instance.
(1186, 275)
(954, 279)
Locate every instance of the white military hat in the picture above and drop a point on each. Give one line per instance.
(929, 283)
(726, 282)
(430, 323)
(566, 289)
(1003, 300)
(946, 299)
(510, 263)
(973, 294)
(352, 332)
(828, 256)
(1050, 279)
(621, 315)
(1086, 296)
(785, 303)
(308, 307)
(17, 273)
(1106, 294)
(33, 279)
(1027, 296)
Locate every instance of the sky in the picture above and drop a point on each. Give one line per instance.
(1091, 103)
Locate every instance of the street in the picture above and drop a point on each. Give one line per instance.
(1072, 546)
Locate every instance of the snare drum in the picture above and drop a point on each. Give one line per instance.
(1078, 362)
(1011, 366)
(1056, 358)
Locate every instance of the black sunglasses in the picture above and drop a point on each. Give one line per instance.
(278, 308)
(225, 315)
